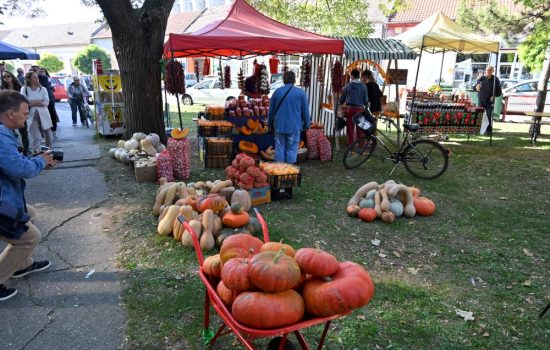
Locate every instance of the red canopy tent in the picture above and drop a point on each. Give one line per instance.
(245, 31)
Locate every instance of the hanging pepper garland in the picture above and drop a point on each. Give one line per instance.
(240, 79)
(336, 75)
(227, 77)
(306, 75)
(197, 72)
(263, 86)
(174, 79)
(206, 67)
(220, 74)
(320, 73)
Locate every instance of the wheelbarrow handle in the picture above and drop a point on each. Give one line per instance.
(193, 234)
(264, 225)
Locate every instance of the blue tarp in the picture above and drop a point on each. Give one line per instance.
(10, 52)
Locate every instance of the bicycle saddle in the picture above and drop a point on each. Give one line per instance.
(411, 127)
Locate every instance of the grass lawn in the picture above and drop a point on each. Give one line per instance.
(486, 250)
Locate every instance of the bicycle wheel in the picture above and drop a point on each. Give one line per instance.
(425, 159)
(357, 154)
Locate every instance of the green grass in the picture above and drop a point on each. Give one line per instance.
(492, 204)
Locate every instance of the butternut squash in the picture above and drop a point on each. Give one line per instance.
(186, 239)
(207, 238)
(404, 194)
(384, 203)
(218, 186)
(227, 192)
(218, 226)
(361, 192)
(147, 147)
(171, 194)
(377, 200)
(165, 225)
(160, 198)
(182, 190)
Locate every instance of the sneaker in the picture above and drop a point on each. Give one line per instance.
(74, 124)
(6, 293)
(35, 267)
(54, 134)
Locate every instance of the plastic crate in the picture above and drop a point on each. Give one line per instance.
(206, 130)
(260, 195)
(217, 162)
(281, 193)
(221, 147)
(224, 131)
(284, 181)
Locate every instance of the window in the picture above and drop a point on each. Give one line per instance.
(528, 87)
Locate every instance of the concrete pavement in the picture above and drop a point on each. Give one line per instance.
(75, 304)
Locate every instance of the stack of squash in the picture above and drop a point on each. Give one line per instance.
(254, 126)
(269, 285)
(215, 210)
(388, 201)
(139, 145)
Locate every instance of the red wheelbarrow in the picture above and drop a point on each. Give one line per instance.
(230, 325)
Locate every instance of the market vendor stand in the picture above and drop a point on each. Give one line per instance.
(439, 33)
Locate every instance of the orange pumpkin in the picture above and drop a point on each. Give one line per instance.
(211, 201)
(240, 245)
(235, 220)
(228, 295)
(276, 246)
(316, 262)
(212, 266)
(274, 271)
(249, 147)
(235, 274)
(178, 134)
(367, 214)
(424, 206)
(415, 191)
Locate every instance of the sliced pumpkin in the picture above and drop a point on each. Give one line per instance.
(248, 147)
(245, 130)
(179, 134)
(253, 124)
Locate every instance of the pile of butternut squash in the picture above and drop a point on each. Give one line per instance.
(388, 201)
(214, 209)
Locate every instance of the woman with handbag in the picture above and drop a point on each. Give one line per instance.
(16, 230)
(10, 82)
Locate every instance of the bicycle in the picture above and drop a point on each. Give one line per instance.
(423, 158)
(89, 114)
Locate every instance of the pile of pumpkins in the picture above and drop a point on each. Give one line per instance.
(270, 285)
(140, 144)
(215, 210)
(388, 201)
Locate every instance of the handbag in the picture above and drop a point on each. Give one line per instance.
(13, 221)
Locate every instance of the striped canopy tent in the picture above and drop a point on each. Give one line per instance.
(376, 49)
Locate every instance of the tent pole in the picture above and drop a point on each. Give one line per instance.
(441, 70)
(416, 80)
(177, 97)
(494, 97)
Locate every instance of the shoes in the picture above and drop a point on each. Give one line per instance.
(35, 267)
(74, 124)
(54, 134)
(6, 293)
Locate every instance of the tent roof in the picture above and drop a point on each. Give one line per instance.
(10, 52)
(245, 31)
(440, 32)
(376, 49)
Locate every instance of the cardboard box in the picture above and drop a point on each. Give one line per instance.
(146, 174)
(260, 195)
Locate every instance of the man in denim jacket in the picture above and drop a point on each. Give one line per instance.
(16, 259)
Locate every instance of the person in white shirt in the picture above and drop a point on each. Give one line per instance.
(39, 122)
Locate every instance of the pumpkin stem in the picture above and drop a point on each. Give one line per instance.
(279, 255)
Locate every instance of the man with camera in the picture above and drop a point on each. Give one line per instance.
(16, 230)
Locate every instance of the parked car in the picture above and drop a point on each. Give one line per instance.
(209, 91)
(191, 79)
(88, 81)
(59, 90)
(506, 83)
(523, 96)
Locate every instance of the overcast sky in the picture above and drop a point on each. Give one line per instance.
(56, 11)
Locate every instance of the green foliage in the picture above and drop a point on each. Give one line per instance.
(531, 26)
(391, 7)
(83, 60)
(51, 62)
(338, 17)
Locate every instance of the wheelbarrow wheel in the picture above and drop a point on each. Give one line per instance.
(274, 344)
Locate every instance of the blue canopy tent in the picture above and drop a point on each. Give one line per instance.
(10, 52)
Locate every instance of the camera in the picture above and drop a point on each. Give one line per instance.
(56, 155)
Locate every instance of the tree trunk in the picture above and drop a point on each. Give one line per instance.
(543, 81)
(138, 39)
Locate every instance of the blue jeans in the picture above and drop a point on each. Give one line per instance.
(286, 147)
(78, 105)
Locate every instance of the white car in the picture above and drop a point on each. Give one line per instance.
(209, 91)
(522, 96)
